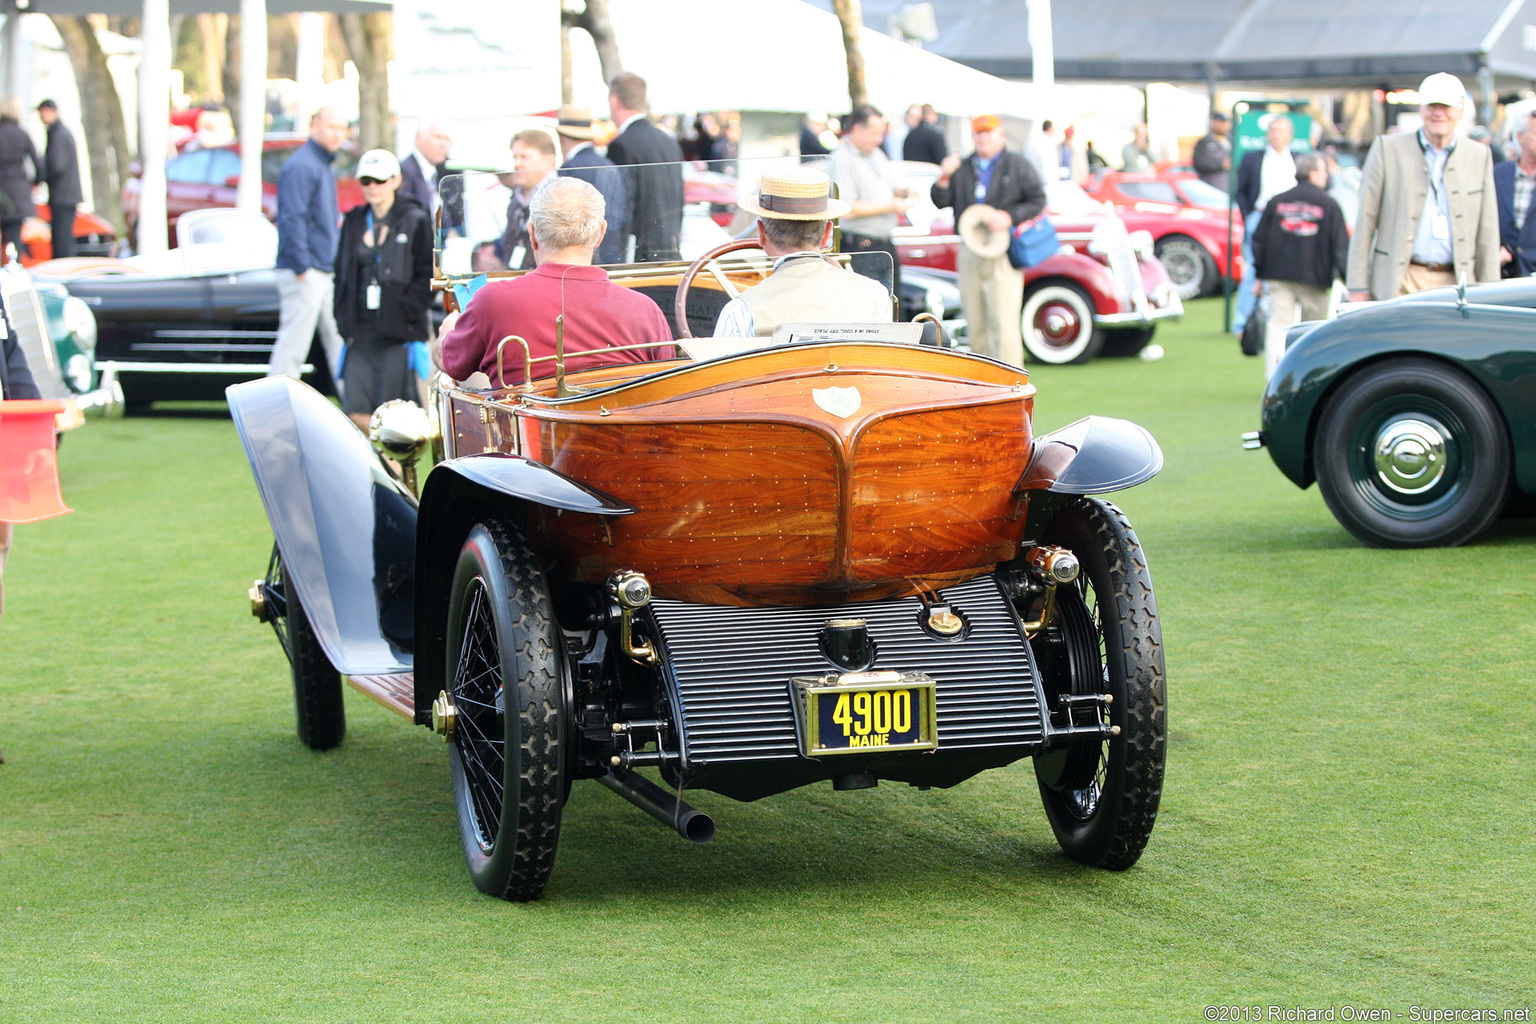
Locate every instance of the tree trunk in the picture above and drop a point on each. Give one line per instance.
(594, 19)
(851, 14)
(231, 76)
(103, 124)
(567, 86)
(213, 27)
(368, 39)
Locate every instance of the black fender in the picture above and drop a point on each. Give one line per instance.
(345, 527)
(1093, 455)
(457, 495)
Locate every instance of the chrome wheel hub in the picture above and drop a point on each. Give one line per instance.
(1409, 455)
(1058, 324)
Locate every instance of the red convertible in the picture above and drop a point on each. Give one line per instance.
(1187, 219)
(1103, 293)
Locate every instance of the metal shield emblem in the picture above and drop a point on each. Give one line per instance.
(838, 401)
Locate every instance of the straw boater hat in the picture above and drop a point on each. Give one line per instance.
(576, 123)
(799, 193)
(979, 238)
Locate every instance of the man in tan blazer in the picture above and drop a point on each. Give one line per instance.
(1428, 216)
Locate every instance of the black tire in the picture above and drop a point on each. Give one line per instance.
(1190, 266)
(1101, 794)
(319, 710)
(509, 776)
(1057, 324)
(1412, 453)
(1124, 342)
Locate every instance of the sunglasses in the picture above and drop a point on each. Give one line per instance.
(372, 181)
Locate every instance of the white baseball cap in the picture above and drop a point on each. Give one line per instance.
(1442, 88)
(378, 163)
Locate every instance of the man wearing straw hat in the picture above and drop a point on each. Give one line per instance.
(1005, 190)
(795, 212)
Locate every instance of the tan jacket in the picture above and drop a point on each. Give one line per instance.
(809, 290)
(1392, 199)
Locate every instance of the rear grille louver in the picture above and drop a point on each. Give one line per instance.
(730, 670)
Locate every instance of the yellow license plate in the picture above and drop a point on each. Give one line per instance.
(865, 713)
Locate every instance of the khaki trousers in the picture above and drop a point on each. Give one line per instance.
(1290, 302)
(992, 293)
(1418, 279)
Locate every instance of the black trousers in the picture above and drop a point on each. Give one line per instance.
(871, 265)
(10, 234)
(63, 229)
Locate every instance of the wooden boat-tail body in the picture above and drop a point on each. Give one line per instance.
(817, 473)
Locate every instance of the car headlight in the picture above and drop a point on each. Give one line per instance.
(1107, 236)
(81, 322)
(77, 370)
(1142, 244)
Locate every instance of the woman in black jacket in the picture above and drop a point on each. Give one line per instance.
(383, 288)
(15, 179)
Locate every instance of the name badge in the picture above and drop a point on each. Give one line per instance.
(373, 294)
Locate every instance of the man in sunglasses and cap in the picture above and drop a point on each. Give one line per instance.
(795, 212)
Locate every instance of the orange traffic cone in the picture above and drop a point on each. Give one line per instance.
(29, 465)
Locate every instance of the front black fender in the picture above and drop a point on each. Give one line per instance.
(345, 527)
(457, 495)
(1093, 455)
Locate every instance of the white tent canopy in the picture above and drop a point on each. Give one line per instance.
(695, 55)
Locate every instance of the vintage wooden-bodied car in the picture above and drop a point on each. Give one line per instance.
(1416, 416)
(745, 568)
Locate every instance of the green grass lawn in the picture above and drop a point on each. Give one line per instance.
(1346, 819)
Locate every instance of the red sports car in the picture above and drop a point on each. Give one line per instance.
(1187, 219)
(1103, 293)
(93, 236)
(202, 179)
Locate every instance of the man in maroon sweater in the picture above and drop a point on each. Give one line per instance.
(565, 226)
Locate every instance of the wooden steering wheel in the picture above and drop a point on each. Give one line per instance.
(709, 259)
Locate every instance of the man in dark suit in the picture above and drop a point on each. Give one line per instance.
(1514, 185)
(991, 289)
(422, 169)
(580, 160)
(924, 141)
(655, 203)
(61, 173)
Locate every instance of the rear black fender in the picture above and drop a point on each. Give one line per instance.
(1093, 455)
(345, 527)
(457, 495)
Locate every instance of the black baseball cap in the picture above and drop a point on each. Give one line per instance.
(47, 105)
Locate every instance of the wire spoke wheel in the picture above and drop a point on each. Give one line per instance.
(506, 681)
(1101, 791)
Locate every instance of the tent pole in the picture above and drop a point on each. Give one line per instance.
(1485, 86)
(253, 101)
(154, 123)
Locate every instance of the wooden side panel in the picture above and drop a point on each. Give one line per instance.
(932, 491)
(719, 503)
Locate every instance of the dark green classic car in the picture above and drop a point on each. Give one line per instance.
(1416, 416)
(58, 334)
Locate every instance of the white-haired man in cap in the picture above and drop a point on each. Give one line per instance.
(1428, 217)
(795, 212)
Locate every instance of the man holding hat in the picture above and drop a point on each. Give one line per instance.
(580, 160)
(795, 212)
(61, 173)
(1428, 216)
(1007, 191)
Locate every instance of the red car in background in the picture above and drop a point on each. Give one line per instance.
(1102, 293)
(203, 179)
(1187, 219)
(93, 236)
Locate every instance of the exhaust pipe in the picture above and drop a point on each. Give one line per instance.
(690, 823)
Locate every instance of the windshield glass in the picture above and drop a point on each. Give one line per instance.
(659, 219)
(1203, 193)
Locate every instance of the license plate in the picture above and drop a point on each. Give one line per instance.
(865, 713)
